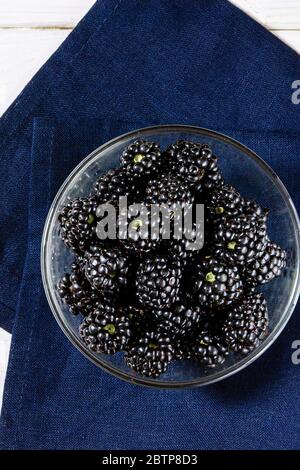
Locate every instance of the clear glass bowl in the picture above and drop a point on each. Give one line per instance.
(243, 169)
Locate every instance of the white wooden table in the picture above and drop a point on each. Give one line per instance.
(31, 30)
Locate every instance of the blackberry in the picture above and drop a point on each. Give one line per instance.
(76, 292)
(246, 324)
(158, 282)
(180, 249)
(215, 283)
(78, 223)
(224, 202)
(266, 267)
(189, 245)
(140, 320)
(240, 240)
(169, 189)
(105, 331)
(255, 211)
(107, 269)
(179, 319)
(116, 183)
(185, 344)
(183, 348)
(209, 349)
(151, 354)
(135, 311)
(137, 235)
(214, 179)
(142, 159)
(195, 163)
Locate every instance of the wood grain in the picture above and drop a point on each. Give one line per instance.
(5, 339)
(22, 53)
(291, 38)
(274, 14)
(42, 13)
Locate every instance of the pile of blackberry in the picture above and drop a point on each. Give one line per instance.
(156, 299)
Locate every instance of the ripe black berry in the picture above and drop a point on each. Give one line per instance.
(105, 331)
(265, 267)
(158, 282)
(209, 349)
(179, 319)
(76, 292)
(78, 223)
(246, 324)
(189, 245)
(151, 354)
(116, 183)
(224, 202)
(169, 190)
(215, 283)
(107, 269)
(140, 233)
(195, 163)
(142, 159)
(240, 239)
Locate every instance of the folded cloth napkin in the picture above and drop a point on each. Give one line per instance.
(131, 64)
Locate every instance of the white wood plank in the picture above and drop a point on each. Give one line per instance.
(274, 14)
(5, 339)
(22, 53)
(291, 38)
(61, 13)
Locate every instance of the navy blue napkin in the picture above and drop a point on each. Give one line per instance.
(56, 399)
(131, 64)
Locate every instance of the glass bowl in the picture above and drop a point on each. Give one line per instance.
(241, 168)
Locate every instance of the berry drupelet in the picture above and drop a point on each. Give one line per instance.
(141, 159)
(265, 267)
(76, 292)
(246, 324)
(158, 282)
(77, 221)
(107, 269)
(151, 354)
(215, 283)
(106, 331)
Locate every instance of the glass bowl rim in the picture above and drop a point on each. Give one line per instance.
(115, 371)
